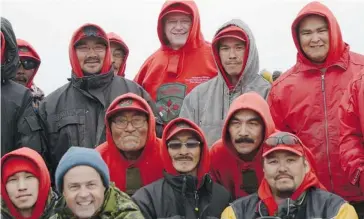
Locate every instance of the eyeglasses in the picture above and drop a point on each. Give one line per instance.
(123, 123)
(28, 64)
(183, 22)
(118, 54)
(175, 144)
(286, 139)
(85, 49)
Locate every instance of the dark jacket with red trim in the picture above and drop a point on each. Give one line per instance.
(149, 164)
(227, 168)
(74, 113)
(305, 101)
(183, 196)
(19, 123)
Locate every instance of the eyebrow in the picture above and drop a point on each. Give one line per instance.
(256, 118)
(325, 26)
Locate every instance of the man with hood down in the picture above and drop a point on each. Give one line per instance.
(186, 191)
(183, 61)
(236, 161)
(119, 53)
(237, 60)
(305, 100)
(19, 123)
(26, 191)
(30, 62)
(131, 150)
(74, 114)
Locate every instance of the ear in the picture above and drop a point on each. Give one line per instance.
(307, 165)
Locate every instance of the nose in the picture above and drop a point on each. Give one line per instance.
(21, 184)
(315, 37)
(232, 54)
(21, 69)
(129, 127)
(178, 25)
(243, 130)
(83, 192)
(184, 149)
(282, 167)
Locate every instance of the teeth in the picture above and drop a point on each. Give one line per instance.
(84, 203)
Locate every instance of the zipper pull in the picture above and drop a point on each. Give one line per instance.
(196, 201)
(323, 82)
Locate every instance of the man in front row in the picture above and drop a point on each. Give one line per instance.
(290, 188)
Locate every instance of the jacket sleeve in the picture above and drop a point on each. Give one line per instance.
(139, 78)
(275, 110)
(228, 213)
(346, 211)
(188, 109)
(143, 199)
(351, 136)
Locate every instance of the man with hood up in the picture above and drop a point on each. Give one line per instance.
(237, 59)
(131, 150)
(74, 114)
(119, 53)
(19, 122)
(305, 99)
(236, 158)
(30, 62)
(182, 62)
(26, 191)
(186, 191)
(290, 188)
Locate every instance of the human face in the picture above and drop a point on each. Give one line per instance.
(83, 191)
(91, 54)
(177, 28)
(22, 188)
(231, 52)
(314, 38)
(185, 159)
(284, 171)
(117, 56)
(246, 131)
(129, 138)
(23, 75)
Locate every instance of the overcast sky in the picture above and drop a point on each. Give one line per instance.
(49, 24)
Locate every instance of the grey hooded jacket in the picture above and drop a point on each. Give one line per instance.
(207, 104)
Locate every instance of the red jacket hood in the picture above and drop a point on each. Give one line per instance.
(44, 182)
(113, 37)
(195, 38)
(78, 34)
(252, 101)
(31, 54)
(310, 180)
(151, 138)
(337, 45)
(204, 164)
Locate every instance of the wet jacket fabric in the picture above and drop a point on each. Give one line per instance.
(351, 115)
(149, 165)
(74, 113)
(169, 75)
(45, 203)
(183, 196)
(207, 105)
(312, 113)
(114, 38)
(227, 168)
(117, 205)
(20, 126)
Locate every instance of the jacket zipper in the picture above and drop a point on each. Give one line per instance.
(196, 204)
(326, 127)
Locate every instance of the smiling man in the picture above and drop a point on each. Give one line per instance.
(290, 188)
(237, 60)
(186, 191)
(235, 158)
(82, 177)
(119, 53)
(305, 100)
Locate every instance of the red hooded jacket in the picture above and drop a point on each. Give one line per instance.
(169, 75)
(351, 115)
(31, 54)
(149, 162)
(78, 35)
(310, 111)
(114, 38)
(226, 165)
(44, 183)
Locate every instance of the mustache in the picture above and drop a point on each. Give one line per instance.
(281, 175)
(92, 59)
(21, 77)
(234, 63)
(244, 140)
(183, 157)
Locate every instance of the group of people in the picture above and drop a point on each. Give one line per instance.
(201, 132)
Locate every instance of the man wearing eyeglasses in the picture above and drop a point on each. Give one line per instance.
(19, 124)
(131, 150)
(235, 158)
(186, 191)
(28, 68)
(182, 62)
(290, 188)
(74, 113)
(119, 53)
